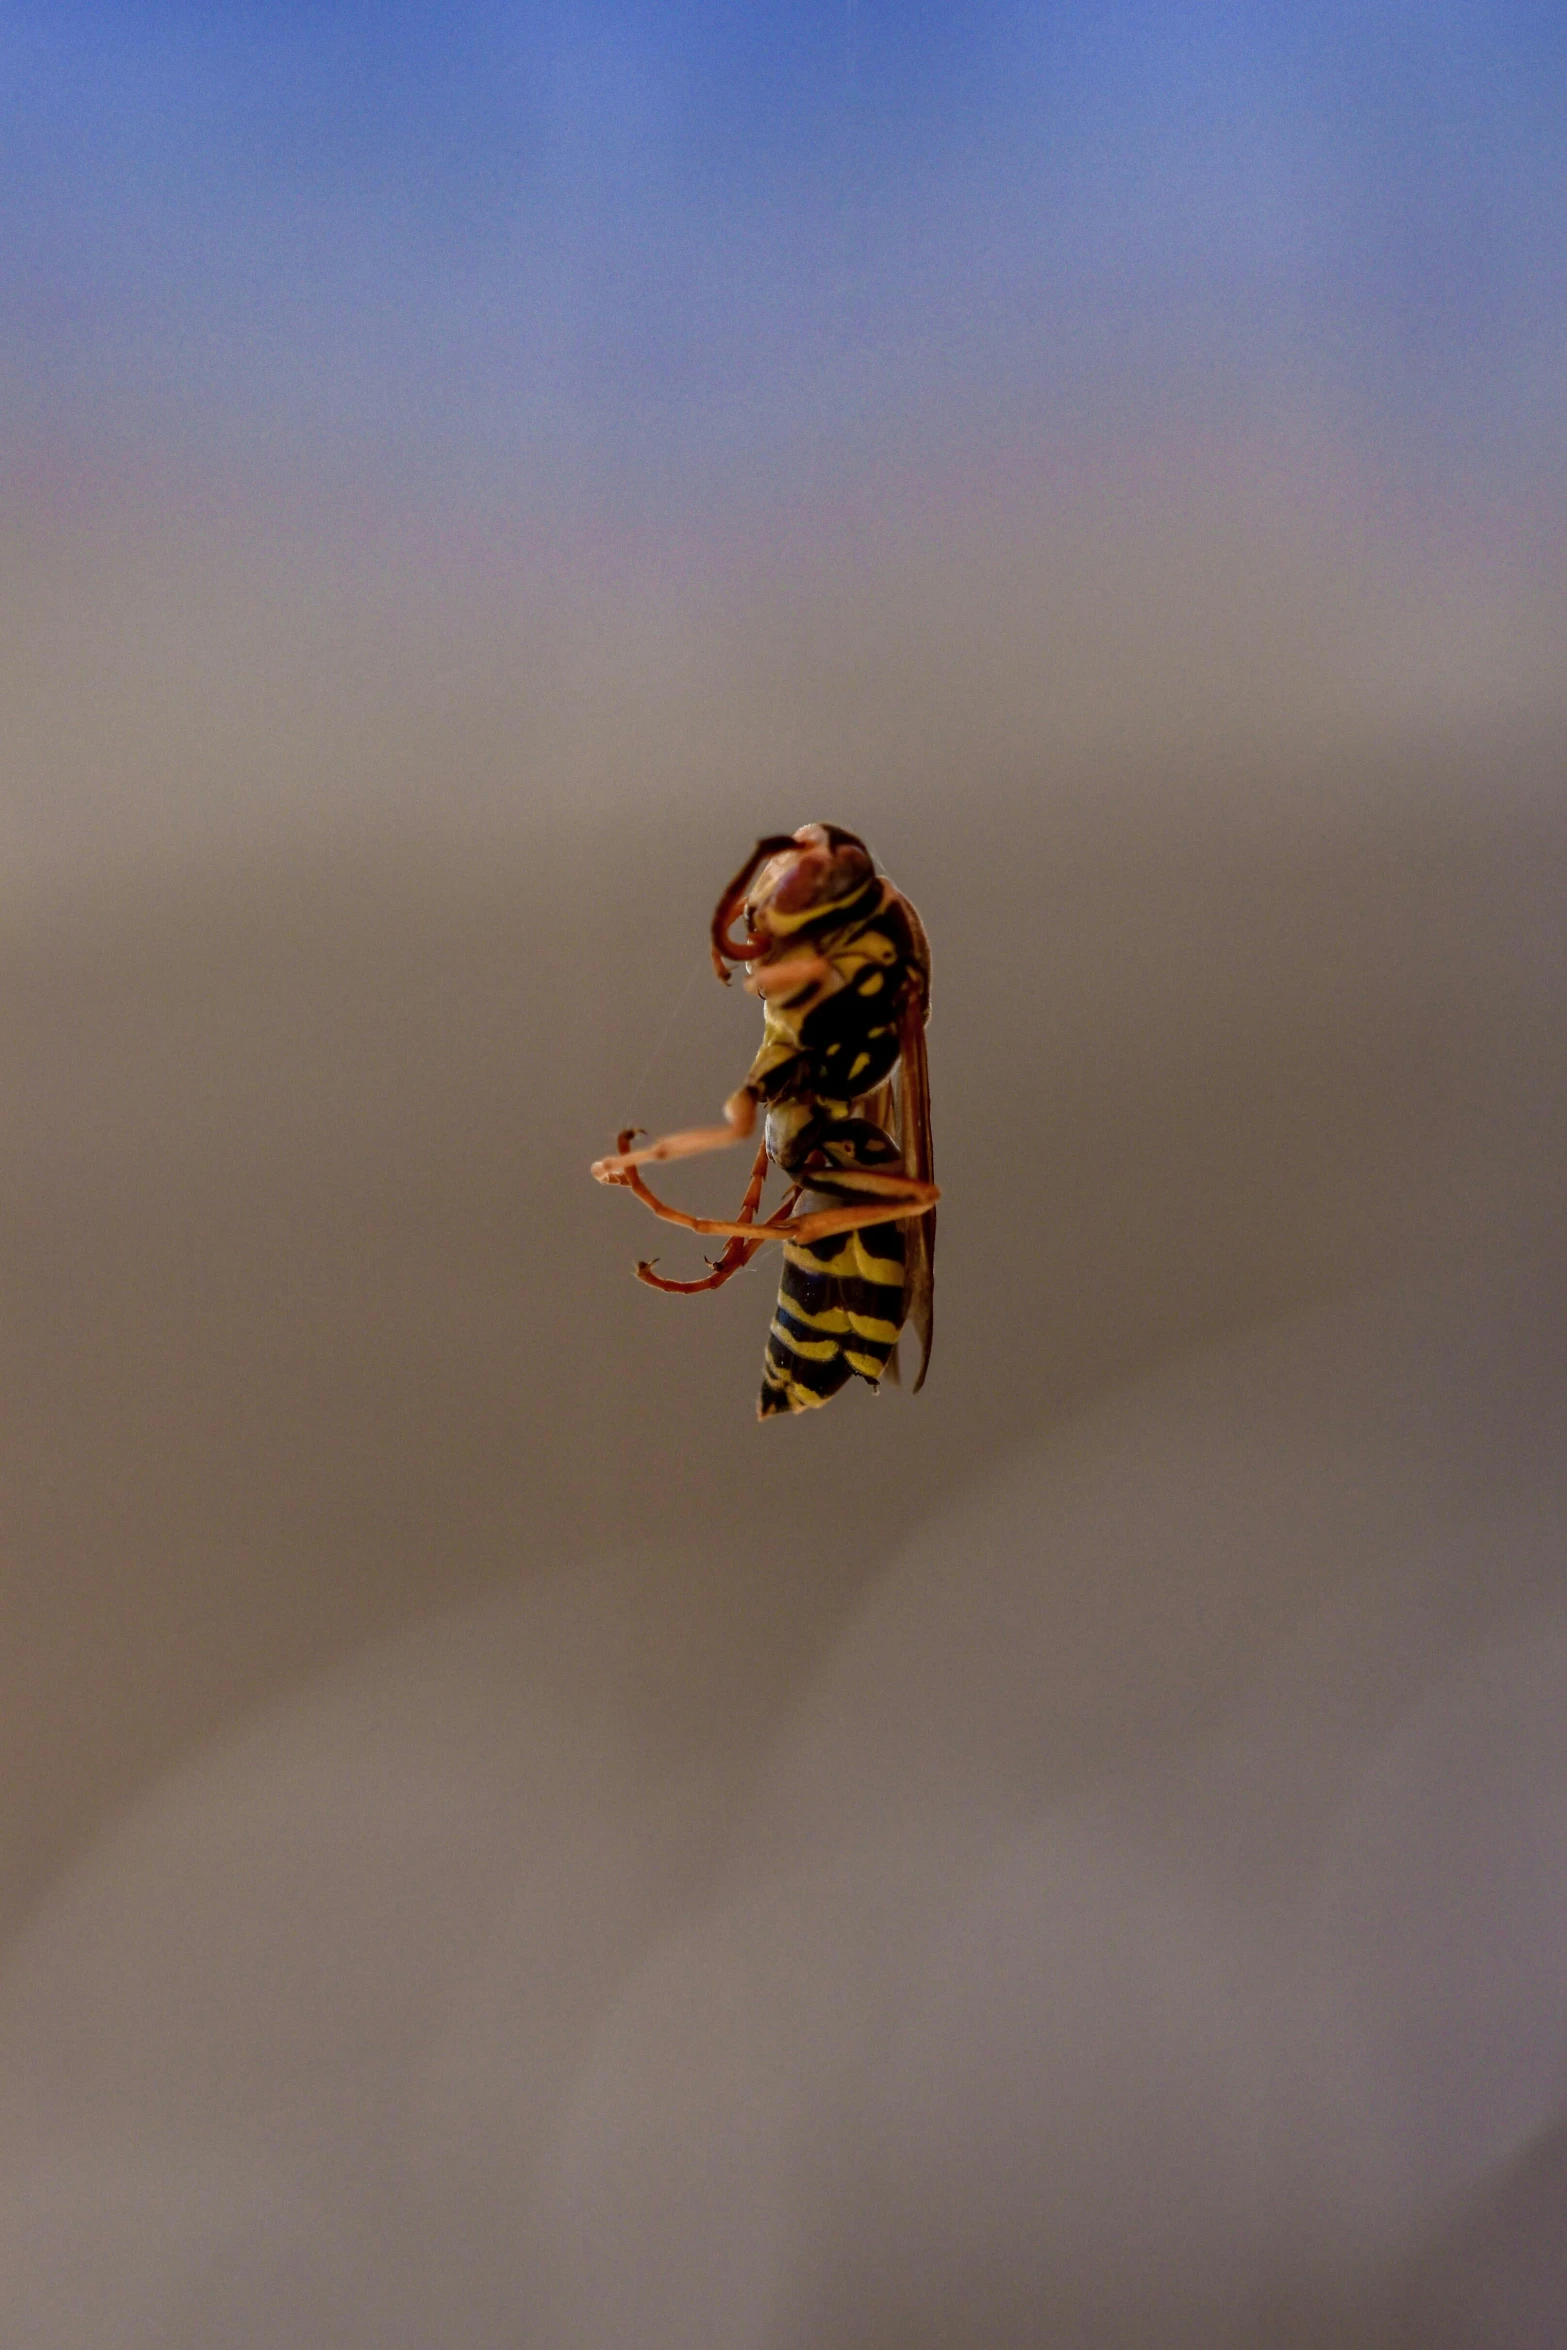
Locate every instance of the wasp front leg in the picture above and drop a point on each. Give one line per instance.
(739, 1125)
(790, 979)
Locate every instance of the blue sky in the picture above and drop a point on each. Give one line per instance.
(469, 238)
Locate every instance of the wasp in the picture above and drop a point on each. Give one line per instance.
(840, 960)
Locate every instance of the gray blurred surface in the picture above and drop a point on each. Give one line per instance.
(497, 1852)
(501, 1849)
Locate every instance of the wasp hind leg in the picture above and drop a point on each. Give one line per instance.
(897, 1197)
(737, 1252)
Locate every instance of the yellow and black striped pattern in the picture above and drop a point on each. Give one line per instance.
(839, 1312)
(836, 1042)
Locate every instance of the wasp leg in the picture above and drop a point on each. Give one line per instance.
(779, 978)
(739, 1125)
(898, 1197)
(736, 1253)
(900, 1200)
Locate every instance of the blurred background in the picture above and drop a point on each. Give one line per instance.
(499, 1848)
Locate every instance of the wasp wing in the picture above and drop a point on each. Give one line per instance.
(881, 1107)
(914, 1140)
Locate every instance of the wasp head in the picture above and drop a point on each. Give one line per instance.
(788, 881)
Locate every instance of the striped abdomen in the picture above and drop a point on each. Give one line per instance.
(841, 1300)
(839, 1311)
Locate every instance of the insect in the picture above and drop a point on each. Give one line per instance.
(840, 960)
